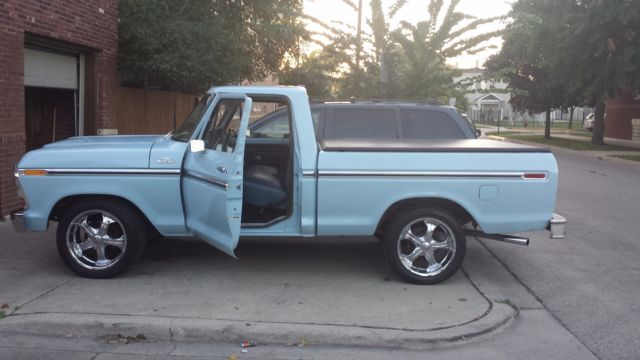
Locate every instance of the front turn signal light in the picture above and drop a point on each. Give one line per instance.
(34, 172)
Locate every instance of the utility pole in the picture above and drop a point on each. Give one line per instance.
(358, 35)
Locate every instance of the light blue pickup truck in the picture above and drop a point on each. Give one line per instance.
(411, 174)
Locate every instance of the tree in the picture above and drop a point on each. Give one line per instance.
(528, 58)
(601, 52)
(409, 61)
(572, 51)
(313, 72)
(426, 46)
(337, 68)
(193, 44)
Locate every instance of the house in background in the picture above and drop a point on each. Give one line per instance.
(489, 101)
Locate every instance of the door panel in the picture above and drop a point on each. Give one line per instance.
(212, 181)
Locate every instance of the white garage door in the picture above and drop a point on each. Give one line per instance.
(46, 69)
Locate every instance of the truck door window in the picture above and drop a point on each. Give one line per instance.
(428, 124)
(221, 131)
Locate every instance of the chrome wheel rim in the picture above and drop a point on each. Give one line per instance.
(96, 239)
(426, 247)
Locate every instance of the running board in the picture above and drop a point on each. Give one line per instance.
(511, 239)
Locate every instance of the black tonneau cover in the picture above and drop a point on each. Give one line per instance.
(465, 145)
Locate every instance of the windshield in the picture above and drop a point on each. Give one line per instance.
(183, 132)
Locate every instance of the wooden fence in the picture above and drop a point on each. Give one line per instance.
(151, 111)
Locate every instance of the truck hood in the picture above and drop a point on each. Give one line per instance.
(109, 152)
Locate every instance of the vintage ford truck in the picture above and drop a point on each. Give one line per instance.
(215, 179)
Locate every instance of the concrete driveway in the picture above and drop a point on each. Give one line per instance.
(325, 292)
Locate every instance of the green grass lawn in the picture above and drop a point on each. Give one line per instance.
(629, 157)
(577, 125)
(581, 133)
(563, 143)
(504, 133)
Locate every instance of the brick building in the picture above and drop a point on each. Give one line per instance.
(58, 76)
(620, 114)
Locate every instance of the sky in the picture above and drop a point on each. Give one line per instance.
(414, 11)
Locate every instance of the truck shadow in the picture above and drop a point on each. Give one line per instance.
(354, 256)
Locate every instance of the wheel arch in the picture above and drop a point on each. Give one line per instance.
(461, 214)
(64, 203)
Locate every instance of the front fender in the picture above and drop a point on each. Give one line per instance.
(156, 196)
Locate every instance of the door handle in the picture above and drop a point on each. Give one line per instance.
(222, 169)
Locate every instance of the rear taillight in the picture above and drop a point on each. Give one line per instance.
(535, 176)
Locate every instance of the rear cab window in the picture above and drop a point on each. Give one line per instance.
(275, 124)
(361, 123)
(429, 124)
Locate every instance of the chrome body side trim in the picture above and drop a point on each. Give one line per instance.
(108, 171)
(308, 173)
(448, 174)
(208, 179)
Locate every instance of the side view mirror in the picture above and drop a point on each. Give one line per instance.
(196, 146)
(478, 132)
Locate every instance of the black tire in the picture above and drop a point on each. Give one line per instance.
(446, 228)
(128, 231)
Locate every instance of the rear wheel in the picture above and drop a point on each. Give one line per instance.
(425, 246)
(100, 238)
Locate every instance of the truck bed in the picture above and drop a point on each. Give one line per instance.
(358, 181)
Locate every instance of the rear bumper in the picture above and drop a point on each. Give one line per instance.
(557, 227)
(18, 222)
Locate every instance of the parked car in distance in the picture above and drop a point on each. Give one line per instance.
(414, 176)
(588, 122)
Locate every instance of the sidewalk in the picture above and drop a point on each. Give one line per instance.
(329, 292)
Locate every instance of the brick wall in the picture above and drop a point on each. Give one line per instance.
(90, 24)
(619, 112)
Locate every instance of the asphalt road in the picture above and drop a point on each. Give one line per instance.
(591, 280)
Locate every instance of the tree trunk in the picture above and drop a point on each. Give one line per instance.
(359, 35)
(573, 108)
(547, 124)
(597, 138)
(384, 76)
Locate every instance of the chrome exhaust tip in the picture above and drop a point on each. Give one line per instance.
(516, 240)
(509, 239)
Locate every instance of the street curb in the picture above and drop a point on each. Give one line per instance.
(209, 330)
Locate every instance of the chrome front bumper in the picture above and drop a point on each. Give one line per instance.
(557, 227)
(17, 220)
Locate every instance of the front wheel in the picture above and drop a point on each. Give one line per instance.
(425, 246)
(100, 238)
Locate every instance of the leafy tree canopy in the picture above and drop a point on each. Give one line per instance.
(190, 45)
(403, 61)
(562, 53)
